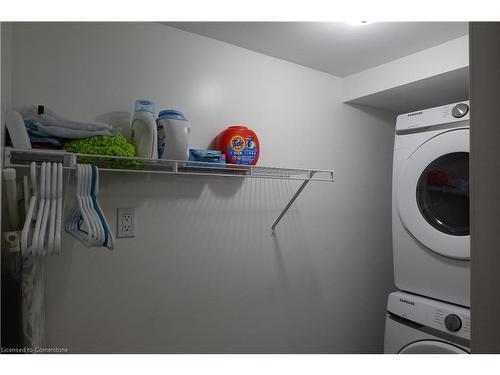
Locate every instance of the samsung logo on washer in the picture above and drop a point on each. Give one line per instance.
(414, 114)
(407, 302)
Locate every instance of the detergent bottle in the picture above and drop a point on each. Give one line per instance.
(173, 135)
(143, 130)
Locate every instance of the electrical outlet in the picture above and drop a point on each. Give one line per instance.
(126, 222)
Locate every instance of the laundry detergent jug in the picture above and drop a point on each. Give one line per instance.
(239, 144)
(173, 135)
(143, 130)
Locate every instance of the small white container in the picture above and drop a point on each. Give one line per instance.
(173, 135)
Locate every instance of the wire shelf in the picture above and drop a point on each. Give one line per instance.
(20, 158)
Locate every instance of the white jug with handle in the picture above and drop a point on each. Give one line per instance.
(173, 135)
(143, 130)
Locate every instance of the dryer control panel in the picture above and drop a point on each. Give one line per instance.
(454, 112)
(445, 317)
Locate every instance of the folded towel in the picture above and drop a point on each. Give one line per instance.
(35, 127)
(56, 142)
(51, 119)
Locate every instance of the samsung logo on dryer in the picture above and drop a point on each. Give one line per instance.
(407, 301)
(414, 114)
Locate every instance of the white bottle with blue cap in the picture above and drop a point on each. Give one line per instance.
(173, 135)
(144, 133)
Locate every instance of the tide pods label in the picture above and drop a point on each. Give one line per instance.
(242, 150)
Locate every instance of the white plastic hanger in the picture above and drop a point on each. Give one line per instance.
(41, 233)
(39, 214)
(93, 200)
(109, 240)
(78, 221)
(42, 243)
(26, 232)
(52, 213)
(92, 216)
(84, 215)
(90, 205)
(59, 207)
(75, 214)
(104, 228)
(86, 221)
(26, 195)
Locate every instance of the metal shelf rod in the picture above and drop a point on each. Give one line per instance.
(289, 204)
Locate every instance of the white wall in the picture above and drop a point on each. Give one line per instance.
(203, 273)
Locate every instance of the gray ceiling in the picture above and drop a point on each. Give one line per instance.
(337, 48)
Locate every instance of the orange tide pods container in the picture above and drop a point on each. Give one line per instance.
(239, 144)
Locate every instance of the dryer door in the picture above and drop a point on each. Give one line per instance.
(431, 347)
(433, 194)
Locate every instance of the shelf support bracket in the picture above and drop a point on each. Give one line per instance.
(289, 204)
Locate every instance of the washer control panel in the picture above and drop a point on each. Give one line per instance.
(445, 317)
(427, 118)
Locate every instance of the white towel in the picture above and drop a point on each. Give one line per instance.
(51, 119)
(60, 132)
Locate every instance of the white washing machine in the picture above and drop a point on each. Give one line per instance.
(418, 325)
(430, 203)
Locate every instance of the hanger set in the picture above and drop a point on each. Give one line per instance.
(86, 221)
(41, 233)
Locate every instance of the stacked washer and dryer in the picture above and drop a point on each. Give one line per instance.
(430, 229)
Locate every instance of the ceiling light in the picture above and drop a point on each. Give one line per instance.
(357, 23)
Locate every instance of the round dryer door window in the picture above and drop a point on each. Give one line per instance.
(431, 347)
(443, 194)
(433, 194)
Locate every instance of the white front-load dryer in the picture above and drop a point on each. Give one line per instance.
(430, 203)
(419, 325)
